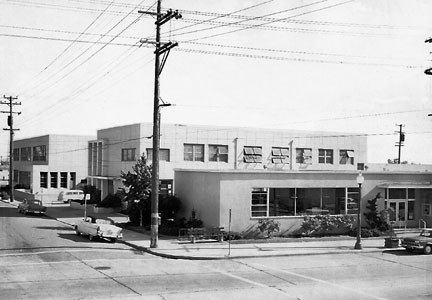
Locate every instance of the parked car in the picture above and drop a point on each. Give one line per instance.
(103, 228)
(31, 206)
(69, 195)
(420, 242)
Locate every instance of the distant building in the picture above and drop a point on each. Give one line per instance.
(210, 147)
(47, 164)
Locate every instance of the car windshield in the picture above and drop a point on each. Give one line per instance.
(426, 233)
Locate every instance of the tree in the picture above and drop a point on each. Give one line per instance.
(373, 218)
(138, 190)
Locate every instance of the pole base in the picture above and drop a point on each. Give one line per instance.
(358, 246)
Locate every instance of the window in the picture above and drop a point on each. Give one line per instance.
(284, 202)
(427, 209)
(164, 154)
(44, 180)
(54, 179)
(39, 153)
(165, 187)
(280, 155)
(346, 157)
(63, 179)
(26, 154)
(193, 152)
(304, 156)
(325, 156)
(16, 153)
(218, 153)
(128, 154)
(252, 154)
(259, 202)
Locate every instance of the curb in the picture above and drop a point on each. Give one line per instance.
(173, 256)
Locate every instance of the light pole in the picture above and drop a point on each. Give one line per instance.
(360, 180)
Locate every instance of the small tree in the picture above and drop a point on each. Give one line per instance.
(138, 190)
(373, 217)
(268, 227)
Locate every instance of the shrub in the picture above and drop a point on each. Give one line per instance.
(366, 232)
(110, 201)
(268, 227)
(322, 224)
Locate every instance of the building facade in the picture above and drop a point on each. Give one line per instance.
(45, 165)
(220, 148)
(288, 197)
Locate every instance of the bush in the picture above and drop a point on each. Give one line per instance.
(323, 224)
(110, 201)
(268, 227)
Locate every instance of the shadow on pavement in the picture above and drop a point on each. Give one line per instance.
(55, 228)
(402, 252)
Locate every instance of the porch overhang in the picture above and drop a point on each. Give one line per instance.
(405, 185)
(105, 177)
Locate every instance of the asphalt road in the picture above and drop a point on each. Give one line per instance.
(41, 258)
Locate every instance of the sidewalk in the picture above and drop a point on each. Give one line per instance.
(170, 247)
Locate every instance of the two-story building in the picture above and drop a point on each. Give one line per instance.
(47, 164)
(219, 148)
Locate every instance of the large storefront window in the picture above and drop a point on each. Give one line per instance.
(272, 202)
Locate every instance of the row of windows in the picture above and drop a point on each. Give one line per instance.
(53, 180)
(26, 154)
(280, 155)
(251, 154)
(271, 202)
(192, 152)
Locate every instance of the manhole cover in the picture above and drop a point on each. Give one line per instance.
(102, 268)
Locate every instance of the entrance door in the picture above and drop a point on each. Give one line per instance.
(400, 212)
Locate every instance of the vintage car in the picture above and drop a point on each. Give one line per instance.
(103, 228)
(420, 242)
(31, 206)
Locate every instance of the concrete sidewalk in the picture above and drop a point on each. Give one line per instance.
(170, 247)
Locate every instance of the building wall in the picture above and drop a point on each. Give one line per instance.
(64, 154)
(175, 136)
(232, 189)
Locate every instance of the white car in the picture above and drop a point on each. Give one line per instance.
(103, 228)
(69, 195)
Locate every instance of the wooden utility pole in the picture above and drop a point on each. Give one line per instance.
(401, 140)
(11, 102)
(161, 49)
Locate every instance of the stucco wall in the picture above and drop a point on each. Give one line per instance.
(235, 191)
(197, 194)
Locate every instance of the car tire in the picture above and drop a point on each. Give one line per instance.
(77, 231)
(19, 210)
(410, 249)
(113, 240)
(427, 249)
(91, 237)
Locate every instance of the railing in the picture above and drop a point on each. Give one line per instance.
(424, 223)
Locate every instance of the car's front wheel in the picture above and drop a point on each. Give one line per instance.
(410, 249)
(427, 249)
(113, 240)
(91, 237)
(77, 231)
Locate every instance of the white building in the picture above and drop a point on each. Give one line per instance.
(47, 164)
(209, 147)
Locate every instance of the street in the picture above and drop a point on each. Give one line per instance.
(42, 258)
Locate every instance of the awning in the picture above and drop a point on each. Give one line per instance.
(405, 185)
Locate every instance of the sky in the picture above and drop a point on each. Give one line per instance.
(356, 66)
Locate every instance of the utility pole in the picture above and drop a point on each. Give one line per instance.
(161, 49)
(11, 102)
(428, 71)
(401, 140)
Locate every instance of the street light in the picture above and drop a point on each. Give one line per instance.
(360, 180)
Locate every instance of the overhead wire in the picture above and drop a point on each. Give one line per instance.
(73, 42)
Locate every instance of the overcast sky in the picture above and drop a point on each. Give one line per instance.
(333, 65)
